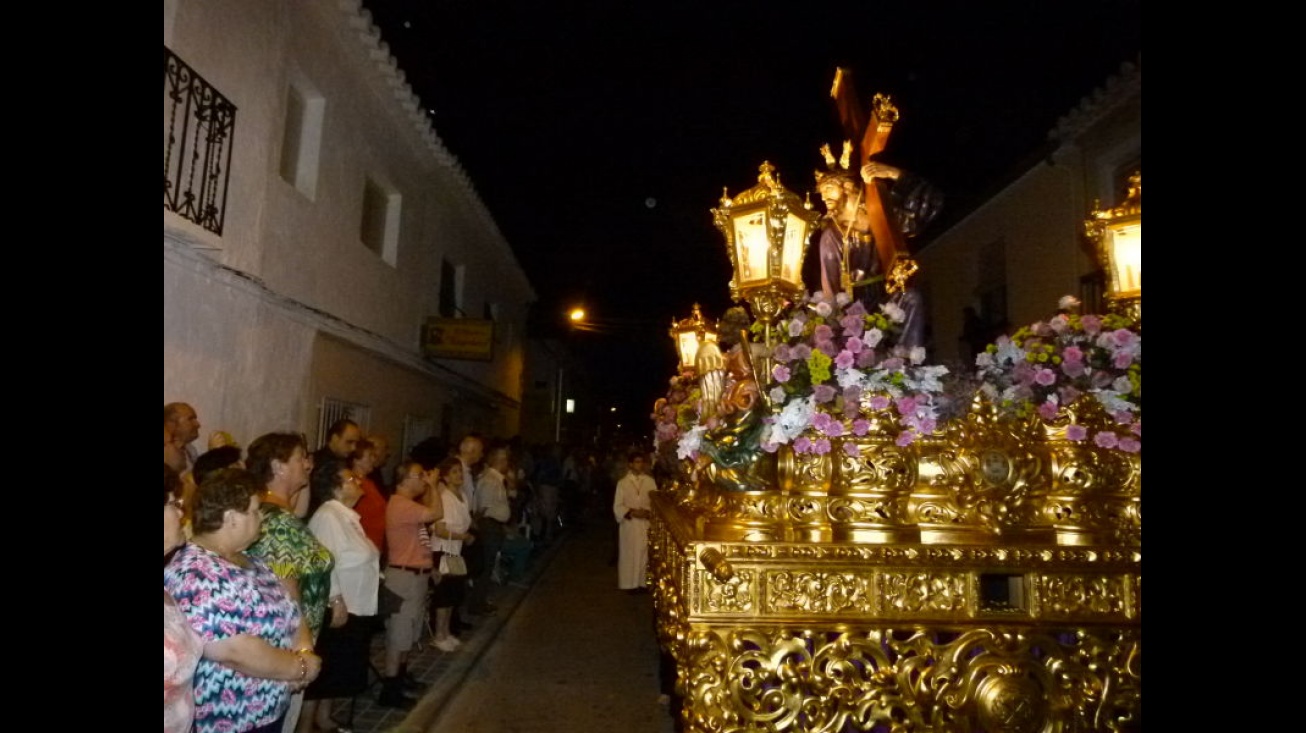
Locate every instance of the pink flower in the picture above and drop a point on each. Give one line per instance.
(824, 393)
(861, 427)
(1048, 410)
(834, 429)
(905, 438)
(852, 325)
(1076, 432)
(781, 373)
(801, 352)
(821, 420)
(1106, 439)
(1137, 428)
(1123, 417)
(769, 447)
(1129, 445)
(782, 353)
(802, 444)
(1122, 359)
(822, 333)
(879, 402)
(1091, 324)
(1123, 337)
(906, 405)
(821, 446)
(1073, 369)
(854, 345)
(866, 358)
(1045, 377)
(851, 450)
(844, 360)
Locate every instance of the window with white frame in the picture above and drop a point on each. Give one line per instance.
(332, 409)
(301, 141)
(379, 228)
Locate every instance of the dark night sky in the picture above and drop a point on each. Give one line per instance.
(571, 118)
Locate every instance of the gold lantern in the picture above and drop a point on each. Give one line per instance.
(1118, 236)
(689, 334)
(766, 230)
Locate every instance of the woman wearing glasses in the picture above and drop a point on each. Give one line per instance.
(256, 648)
(344, 643)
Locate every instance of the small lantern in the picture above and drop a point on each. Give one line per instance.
(766, 230)
(1118, 236)
(689, 334)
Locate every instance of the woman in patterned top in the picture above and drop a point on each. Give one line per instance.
(257, 650)
(281, 462)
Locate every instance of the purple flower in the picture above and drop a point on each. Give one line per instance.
(822, 333)
(1076, 432)
(801, 352)
(1048, 410)
(861, 427)
(1106, 439)
(906, 405)
(795, 328)
(856, 309)
(834, 429)
(803, 444)
(1072, 354)
(1091, 324)
(1137, 428)
(866, 358)
(905, 438)
(781, 373)
(1129, 445)
(1045, 377)
(892, 364)
(824, 393)
(821, 446)
(926, 425)
(1122, 359)
(1123, 337)
(852, 325)
(1059, 324)
(1123, 417)
(782, 353)
(845, 359)
(828, 348)
(821, 419)
(1068, 394)
(851, 450)
(854, 345)
(879, 402)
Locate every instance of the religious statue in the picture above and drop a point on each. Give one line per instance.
(862, 246)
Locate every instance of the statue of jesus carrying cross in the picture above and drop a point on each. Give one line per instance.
(862, 246)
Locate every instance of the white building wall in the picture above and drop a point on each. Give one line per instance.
(246, 313)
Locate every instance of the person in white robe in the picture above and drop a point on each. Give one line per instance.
(631, 507)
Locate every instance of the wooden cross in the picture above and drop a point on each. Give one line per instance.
(890, 245)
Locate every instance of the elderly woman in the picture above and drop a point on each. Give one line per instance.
(344, 644)
(451, 532)
(182, 647)
(280, 461)
(256, 647)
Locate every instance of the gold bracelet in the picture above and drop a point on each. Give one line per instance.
(303, 665)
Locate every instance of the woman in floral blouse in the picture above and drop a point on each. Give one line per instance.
(281, 462)
(257, 650)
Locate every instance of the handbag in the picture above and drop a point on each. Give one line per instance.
(452, 564)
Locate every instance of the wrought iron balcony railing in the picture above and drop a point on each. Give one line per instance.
(198, 125)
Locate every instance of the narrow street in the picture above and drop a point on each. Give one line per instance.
(576, 655)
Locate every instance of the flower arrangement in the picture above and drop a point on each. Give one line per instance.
(837, 371)
(1042, 368)
(675, 414)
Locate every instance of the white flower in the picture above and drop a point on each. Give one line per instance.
(917, 355)
(796, 416)
(1067, 302)
(872, 337)
(984, 359)
(774, 434)
(842, 298)
(926, 379)
(849, 377)
(895, 314)
(1113, 401)
(777, 395)
(1122, 385)
(690, 441)
(823, 309)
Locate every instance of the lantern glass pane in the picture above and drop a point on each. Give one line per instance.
(751, 247)
(687, 342)
(795, 242)
(1127, 257)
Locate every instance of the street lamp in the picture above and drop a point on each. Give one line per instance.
(1118, 236)
(766, 230)
(689, 334)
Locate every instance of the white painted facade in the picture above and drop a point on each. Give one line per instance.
(1034, 226)
(288, 306)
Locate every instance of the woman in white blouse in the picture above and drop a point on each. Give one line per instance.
(345, 642)
(450, 534)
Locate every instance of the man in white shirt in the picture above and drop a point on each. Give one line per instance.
(492, 512)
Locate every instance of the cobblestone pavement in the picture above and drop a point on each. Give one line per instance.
(566, 651)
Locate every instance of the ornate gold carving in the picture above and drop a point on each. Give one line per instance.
(732, 596)
(925, 593)
(816, 593)
(1001, 681)
(1081, 595)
